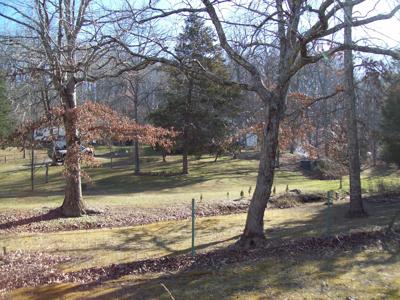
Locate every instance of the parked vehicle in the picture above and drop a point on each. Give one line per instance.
(59, 151)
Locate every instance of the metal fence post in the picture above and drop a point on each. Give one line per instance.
(193, 226)
(329, 212)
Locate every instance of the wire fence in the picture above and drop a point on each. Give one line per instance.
(23, 156)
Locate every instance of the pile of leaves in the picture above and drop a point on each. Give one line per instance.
(46, 220)
(294, 198)
(20, 269)
(52, 220)
(40, 269)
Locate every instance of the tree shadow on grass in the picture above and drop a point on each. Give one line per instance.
(48, 216)
(267, 274)
(278, 273)
(124, 183)
(330, 221)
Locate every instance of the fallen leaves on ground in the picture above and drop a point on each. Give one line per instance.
(32, 269)
(19, 269)
(46, 220)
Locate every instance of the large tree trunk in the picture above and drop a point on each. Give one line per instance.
(274, 106)
(374, 151)
(32, 167)
(136, 141)
(185, 143)
(136, 156)
(73, 205)
(253, 234)
(356, 203)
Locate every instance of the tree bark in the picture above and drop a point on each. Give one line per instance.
(253, 234)
(374, 151)
(136, 153)
(24, 151)
(73, 205)
(136, 157)
(217, 154)
(356, 204)
(32, 166)
(274, 107)
(185, 163)
(185, 143)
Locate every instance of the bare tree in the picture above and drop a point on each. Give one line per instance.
(298, 32)
(294, 48)
(356, 205)
(63, 39)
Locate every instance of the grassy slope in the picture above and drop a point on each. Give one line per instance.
(369, 274)
(107, 246)
(363, 275)
(117, 186)
(351, 274)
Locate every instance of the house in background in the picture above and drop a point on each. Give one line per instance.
(251, 140)
(44, 134)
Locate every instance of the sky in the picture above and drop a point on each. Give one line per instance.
(382, 33)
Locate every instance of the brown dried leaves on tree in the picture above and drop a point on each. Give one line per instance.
(95, 121)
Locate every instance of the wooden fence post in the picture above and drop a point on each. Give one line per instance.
(47, 173)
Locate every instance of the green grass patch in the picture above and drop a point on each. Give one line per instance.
(115, 245)
(119, 186)
(366, 273)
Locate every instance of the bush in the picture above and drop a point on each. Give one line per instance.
(326, 169)
(383, 188)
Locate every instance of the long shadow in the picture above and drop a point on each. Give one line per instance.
(50, 215)
(267, 271)
(116, 181)
(27, 193)
(328, 221)
(204, 282)
(122, 183)
(22, 188)
(125, 183)
(226, 273)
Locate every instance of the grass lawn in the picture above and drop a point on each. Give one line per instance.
(118, 185)
(338, 275)
(116, 245)
(370, 271)
(368, 274)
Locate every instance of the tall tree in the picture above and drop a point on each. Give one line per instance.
(195, 105)
(297, 32)
(356, 208)
(63, 40)
(5, 109)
